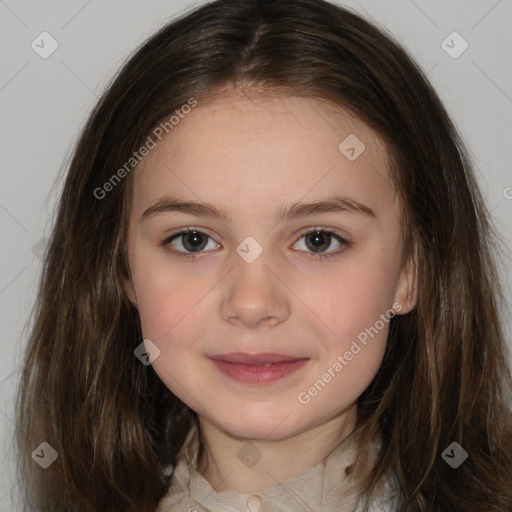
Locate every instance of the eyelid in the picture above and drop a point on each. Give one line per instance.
(188, 229)
(334, 231)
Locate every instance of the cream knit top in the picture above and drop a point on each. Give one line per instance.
(324, 487)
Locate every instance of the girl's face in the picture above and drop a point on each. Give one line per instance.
(251, 282)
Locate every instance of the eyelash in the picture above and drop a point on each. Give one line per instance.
(320, 256)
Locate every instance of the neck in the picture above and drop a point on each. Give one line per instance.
(280, 460)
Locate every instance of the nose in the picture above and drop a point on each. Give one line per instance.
(254, 295)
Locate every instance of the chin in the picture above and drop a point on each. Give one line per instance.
(269, 427)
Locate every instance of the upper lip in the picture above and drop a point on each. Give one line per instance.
(263, 358)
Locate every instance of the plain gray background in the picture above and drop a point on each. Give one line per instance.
(44, 103)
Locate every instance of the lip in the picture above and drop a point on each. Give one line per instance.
(257, 368)
(262, 358)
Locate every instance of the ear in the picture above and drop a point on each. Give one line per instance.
(406, 293)
(129, 290)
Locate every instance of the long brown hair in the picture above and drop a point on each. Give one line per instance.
(444, 377)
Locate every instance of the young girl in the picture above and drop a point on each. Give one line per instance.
(270, 285)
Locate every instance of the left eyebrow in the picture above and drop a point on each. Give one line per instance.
(287, 212)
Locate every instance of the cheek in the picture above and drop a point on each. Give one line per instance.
(341, 382)
(355, 297)
(172, 320)
(166, 297)
(163, 311)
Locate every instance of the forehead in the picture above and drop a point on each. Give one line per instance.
(260, 151)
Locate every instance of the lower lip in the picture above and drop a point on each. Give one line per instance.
(253, 374)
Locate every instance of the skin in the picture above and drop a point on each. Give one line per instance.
(251, 155)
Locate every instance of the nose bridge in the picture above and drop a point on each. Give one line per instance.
(254, 294)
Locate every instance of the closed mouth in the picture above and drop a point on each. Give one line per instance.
(263, 359)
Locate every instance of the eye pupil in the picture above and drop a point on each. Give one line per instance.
(198, 241)
(321, 240)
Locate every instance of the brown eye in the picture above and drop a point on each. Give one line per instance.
(318, 241)
(194, 241)
(187, 242)
(190, 243)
